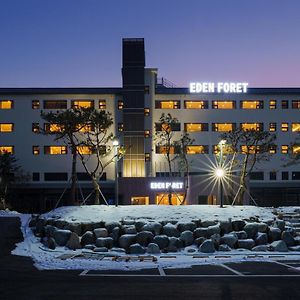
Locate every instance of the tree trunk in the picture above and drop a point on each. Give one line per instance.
(73, 200)
(96, 190)
(170, 175)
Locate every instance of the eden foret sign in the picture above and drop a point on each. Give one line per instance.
(219, 87)
(166, 185)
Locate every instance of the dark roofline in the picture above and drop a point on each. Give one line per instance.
(79, 90)
(185, 91)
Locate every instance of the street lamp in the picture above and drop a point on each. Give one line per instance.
(116, 149)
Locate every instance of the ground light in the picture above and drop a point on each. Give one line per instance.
(116, 149)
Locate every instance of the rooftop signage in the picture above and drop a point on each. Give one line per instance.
(219, 87)
(166, 185)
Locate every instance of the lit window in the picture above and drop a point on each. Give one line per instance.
(296, 104)
(195, 104)
(227, 149)
(7, 149)
(6, 127)
(35, 104)
(35, 127)
(120, 127)
(249, 149)
(147, 133)
(167, 127)
(195, 127)
(252, 104)
(272, 127)
(35, 150)
(284, 149)
(6, 104)
(55, 150)
(147, 156)
(223, 104)
(197, 149)
(284, 126)
(272, 104)
(296, 149)
(52, 128)
(272, 149)
(85, 128)
(252, 126)
(295, 127)
(84, 150)
(55, 104)
(120, 104)
(166, 149)
(223, 127)
(82, 103)
(284, 104)
(102, 104)
(146, 111)
(175, 104)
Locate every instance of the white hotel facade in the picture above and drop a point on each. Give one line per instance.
(136, 108)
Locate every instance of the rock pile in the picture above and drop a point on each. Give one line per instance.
(139, 237)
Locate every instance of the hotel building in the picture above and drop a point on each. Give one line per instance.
(136, 108)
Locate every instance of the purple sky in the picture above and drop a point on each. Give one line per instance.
(69, 43)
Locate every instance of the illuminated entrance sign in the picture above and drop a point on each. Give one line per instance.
(219, 87)
(166, 185)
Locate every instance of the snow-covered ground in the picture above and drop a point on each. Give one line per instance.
(45, 258)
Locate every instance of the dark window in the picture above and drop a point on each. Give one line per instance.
(296, 104)
(35, 176)
(167, 174)
(120, 127)
(284, 104)
(120, 104)
(35, 104)
(35, 127)
(295, 175)
(257, 175)
(55, 176)
(160, 127)
(35, 150)
(55, 104)
(272, 175)
(284, 175)
(83, 176)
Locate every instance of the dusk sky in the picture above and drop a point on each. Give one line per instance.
(72, 43)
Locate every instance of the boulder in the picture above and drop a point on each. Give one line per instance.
(50, 243)
(49, 230)
(39, 227)
(100, 249)
(263, 227)
(61, 224)
(161, 240)
(190, 250)
(207, 247)
(241, 235)
(129, 229)
(61, 236)
(107, 242)
(154, 227)
(224, 247)
(144, 237)
(251, 230)
(260, 248)
(115, 234)
(153, 249)
(98, 225)
(174, 244)
(215, 229)
(128, 222)
(288, 238)
(225, 226)
(184, 226)
(274, 234)
(199, 241)
(136, 249)
(118, 250)
(246, 244)
(187, 237)
(87, 238)
(89, 247)
(170, 230)
(101, 232)
(200, 232)
(111, 225)
(261, 238)
(86, 227)
(126, 240)
(279, 224)
(295, 248)
(207, 223)
(139, 225)
(279, 246)
(229, 239)
(74, 241)
(291, 230)
(238, 225)
(74, 227)
(216, 238)
(297, 240)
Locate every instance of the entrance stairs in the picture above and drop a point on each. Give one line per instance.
(292, 219)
